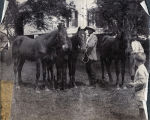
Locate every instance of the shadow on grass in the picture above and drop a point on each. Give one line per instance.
(121, 116)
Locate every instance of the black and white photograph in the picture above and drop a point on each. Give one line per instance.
(74, 60)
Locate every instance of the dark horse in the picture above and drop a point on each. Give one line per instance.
(61, 66)
(24, 48)
(78, 44)
(114, 48)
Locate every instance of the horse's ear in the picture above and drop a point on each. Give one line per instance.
(60, 26)
(79, 28)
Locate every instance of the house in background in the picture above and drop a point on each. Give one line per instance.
(31, 30)
(79, 19)
(84, 17)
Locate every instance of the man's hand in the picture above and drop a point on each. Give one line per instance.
(128, 51)
(129, 85)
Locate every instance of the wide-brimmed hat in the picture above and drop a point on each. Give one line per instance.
(90, 28)
(140, 57)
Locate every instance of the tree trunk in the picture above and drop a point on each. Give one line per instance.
(19, 26)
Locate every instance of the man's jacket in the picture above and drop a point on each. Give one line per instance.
(91, 46)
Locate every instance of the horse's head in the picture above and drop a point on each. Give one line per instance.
(81, 38)
(62, 38)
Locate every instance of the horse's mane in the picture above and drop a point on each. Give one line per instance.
(19, 39)
(74, 39)
(47, 35)
(75, 36)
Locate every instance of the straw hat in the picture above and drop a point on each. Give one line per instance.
(90, 28)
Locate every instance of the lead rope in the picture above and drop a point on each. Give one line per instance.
(85, 59)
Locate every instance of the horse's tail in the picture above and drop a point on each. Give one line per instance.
(15, 46)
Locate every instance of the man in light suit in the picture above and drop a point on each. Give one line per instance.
(91, 44)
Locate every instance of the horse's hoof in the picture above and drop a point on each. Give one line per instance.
(58, 90)
(74, 85)
(97, 85)
(92, 86)
(37, 90)
(118, 87)
(53, 88)
(62, 89)
(124, 87)
(47, 90)
(17, 87)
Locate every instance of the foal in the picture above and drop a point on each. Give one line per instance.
(24, 48)
(114, 48)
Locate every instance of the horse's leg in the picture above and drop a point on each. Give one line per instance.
(73, 72)
(20, 66)
(58, 77)
(48, 70)
(102, 65)
(37, 75)
(52, 77)
(61, 79)
(117, 72)
(108, 63)
(64, 76)
(123, 61)
(44, 75)
(15, 71)
(70, 70)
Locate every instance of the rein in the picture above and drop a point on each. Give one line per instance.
(85, 59)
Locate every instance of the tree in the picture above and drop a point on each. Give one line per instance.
(34, 10)
(123, 15)
(10, 17)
